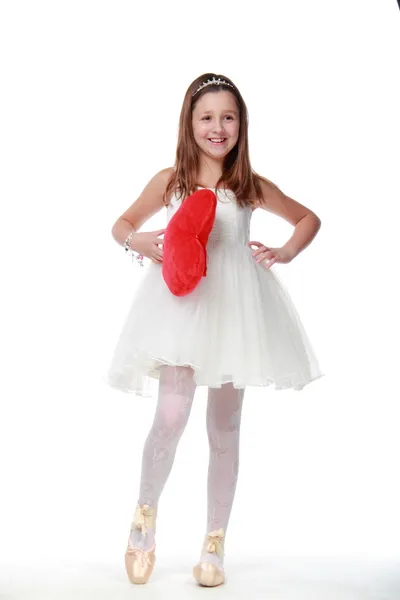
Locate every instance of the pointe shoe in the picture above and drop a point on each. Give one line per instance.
(207, 573)
(139, 563)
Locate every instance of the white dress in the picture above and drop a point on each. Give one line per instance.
(239, 324)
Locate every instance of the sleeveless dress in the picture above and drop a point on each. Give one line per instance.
(239, 324)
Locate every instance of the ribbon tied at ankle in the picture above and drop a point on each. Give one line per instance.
(143, 514)
(214, 541)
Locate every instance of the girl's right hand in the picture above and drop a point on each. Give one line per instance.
(147, 243)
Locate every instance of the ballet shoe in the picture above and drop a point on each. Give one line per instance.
(206, 573)
(139, 563)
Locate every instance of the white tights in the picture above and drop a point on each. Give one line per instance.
(175, 399)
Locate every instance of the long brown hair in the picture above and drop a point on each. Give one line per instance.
(237, 174)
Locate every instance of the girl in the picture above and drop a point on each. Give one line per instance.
(238, 327)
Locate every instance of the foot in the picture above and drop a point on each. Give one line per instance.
(140, 553)
(209, 571)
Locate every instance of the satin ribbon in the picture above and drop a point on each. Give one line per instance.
(214, 541)
(142, 514)
(141, 555)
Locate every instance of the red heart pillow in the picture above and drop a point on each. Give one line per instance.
(185, 239)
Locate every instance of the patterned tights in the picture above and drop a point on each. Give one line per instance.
(224, 408)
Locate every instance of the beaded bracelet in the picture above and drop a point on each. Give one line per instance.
(135, 255)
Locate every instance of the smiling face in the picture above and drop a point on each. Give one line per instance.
(216, 117)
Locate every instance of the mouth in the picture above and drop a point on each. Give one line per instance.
(217, 141)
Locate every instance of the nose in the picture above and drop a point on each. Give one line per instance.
(218, 127)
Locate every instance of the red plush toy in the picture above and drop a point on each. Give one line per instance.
(185, 239)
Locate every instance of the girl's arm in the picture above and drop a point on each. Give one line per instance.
(305, 221)
(147, 204)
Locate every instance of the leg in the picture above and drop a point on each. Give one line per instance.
(224, 411)
(175, 399)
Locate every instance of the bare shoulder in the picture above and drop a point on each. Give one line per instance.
(150, 200)
(277, 202)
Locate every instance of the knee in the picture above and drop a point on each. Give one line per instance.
(170, 423)
(224, 415)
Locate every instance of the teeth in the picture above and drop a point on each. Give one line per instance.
(217, 140)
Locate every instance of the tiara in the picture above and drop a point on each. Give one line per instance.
(213, 81)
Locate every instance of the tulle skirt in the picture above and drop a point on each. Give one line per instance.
(239, 325)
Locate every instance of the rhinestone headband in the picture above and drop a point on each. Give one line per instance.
(213, 81)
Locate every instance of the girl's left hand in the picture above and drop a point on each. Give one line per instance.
(273, 255)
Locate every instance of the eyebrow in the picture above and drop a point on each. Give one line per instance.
(207, 112)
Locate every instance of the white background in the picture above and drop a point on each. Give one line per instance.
(90, 101)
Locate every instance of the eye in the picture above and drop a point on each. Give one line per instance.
(208, 117)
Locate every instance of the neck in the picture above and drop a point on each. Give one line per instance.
(209, 171)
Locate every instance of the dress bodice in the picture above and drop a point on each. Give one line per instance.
(232, 222)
